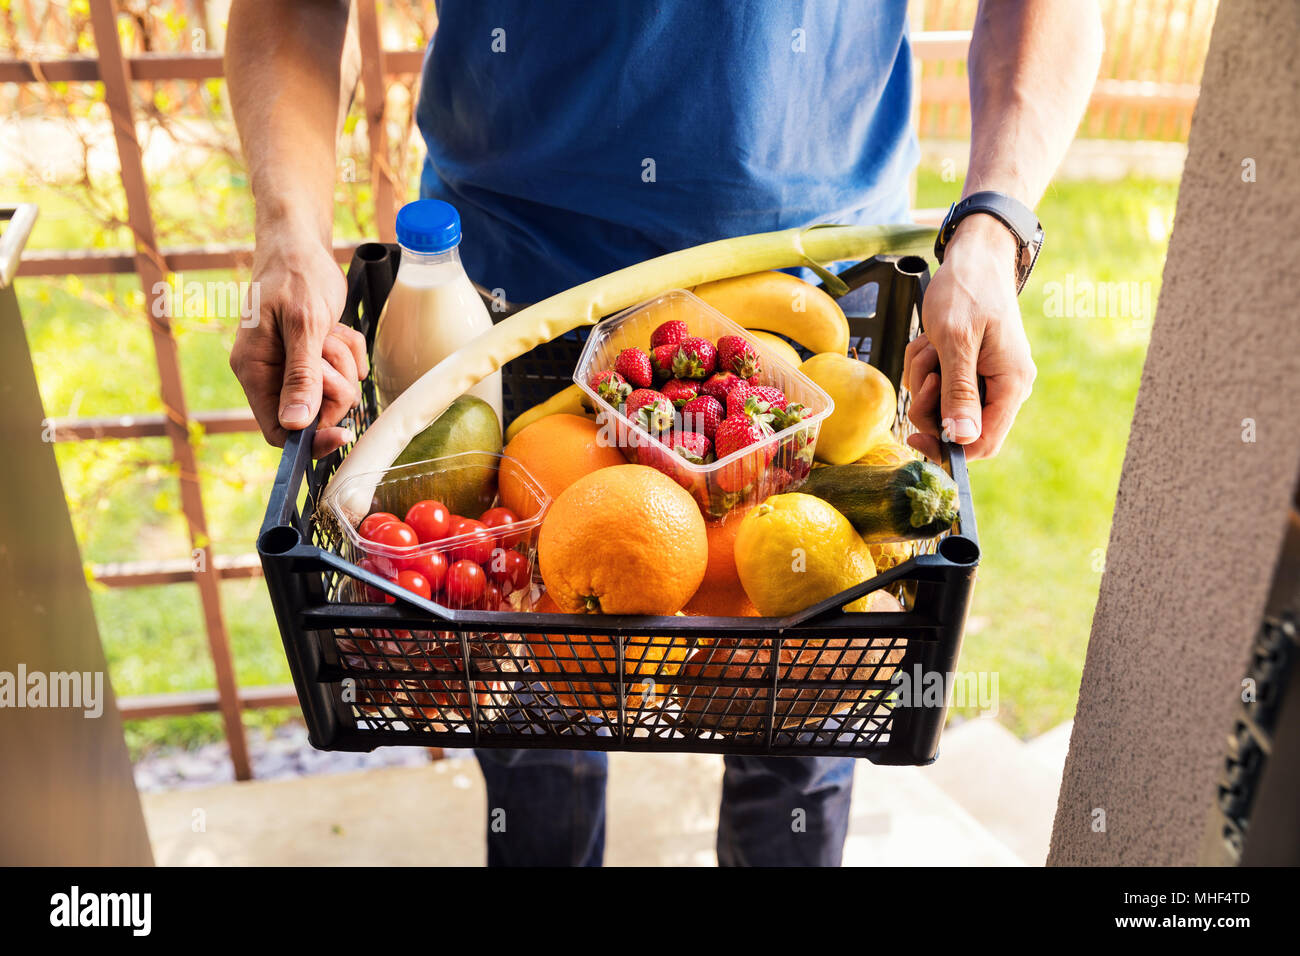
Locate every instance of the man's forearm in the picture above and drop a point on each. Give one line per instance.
(1032, 65)
(289, 86)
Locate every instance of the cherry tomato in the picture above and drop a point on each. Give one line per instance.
(466, 583)
(478, 543)
(508, 568)
(415, 581)
(434, 568)
(492, 599)
(367, 527)
(430, 519)
(499, 519)
(395, 534)
(374, 595)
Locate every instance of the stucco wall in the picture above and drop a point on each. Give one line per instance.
(1200, 513)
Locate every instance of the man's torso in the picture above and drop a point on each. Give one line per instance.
(578, 138)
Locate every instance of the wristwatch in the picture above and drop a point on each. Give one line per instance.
(1015, 215)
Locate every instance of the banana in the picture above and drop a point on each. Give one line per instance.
(569, 401)
(779, 302)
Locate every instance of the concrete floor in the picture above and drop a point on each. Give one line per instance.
(663, 810)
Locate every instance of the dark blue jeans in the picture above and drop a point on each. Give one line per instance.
(547, 808)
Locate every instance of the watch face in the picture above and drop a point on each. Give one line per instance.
(941, 238)
(1028, 255)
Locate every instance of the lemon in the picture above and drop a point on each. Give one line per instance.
(865, 406)
(794, 550)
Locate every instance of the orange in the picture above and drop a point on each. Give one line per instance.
(577, 658)
(720, 594)
(623, 540)
(556, 450)
(721, 602)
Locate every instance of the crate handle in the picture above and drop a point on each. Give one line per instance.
(343, 566)
(850, 594)
(289, 475)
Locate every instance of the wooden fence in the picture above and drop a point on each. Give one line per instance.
(1146, 90)
(1119, 108)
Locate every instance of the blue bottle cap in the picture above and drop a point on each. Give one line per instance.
(428, 225)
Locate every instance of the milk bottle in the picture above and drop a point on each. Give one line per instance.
(433, 308)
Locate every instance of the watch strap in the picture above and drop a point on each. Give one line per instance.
(1015, 215)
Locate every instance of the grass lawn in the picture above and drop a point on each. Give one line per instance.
(1044, 506)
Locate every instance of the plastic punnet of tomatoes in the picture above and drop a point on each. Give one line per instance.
(438, 530)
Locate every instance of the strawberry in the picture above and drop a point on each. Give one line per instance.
(661, 358)
(650, 409)
(680, 390)
(719, 384)
(800, 468)
(702, 414)
(695, 358)
(771, 397)
(735, 354)
(610, 386)
(744, 402)
(779, 480)
(774, 397)
(694, 447)
(669, 333)
(768, 394)
(634, 365)
(738, 432)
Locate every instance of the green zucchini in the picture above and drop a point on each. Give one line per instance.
(889, 502)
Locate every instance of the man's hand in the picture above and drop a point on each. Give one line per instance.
(297, 355)
(1032, 65)
(290, 82)
(972, 328)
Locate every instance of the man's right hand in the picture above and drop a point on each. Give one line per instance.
(296, 358)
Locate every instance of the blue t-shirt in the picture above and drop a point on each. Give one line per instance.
(578, 138)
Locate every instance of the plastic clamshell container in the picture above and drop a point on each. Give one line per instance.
(468, 485)
(742, 479)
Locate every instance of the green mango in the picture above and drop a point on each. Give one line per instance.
(468, 425)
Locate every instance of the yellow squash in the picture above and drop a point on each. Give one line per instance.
(889, 451)
(779, 302)
(568, 401)
(777, 346)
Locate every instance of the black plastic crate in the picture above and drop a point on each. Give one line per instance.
(416, 673)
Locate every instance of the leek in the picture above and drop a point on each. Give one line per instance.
(412, 411)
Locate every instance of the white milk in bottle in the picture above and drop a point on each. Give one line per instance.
(433, 308)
